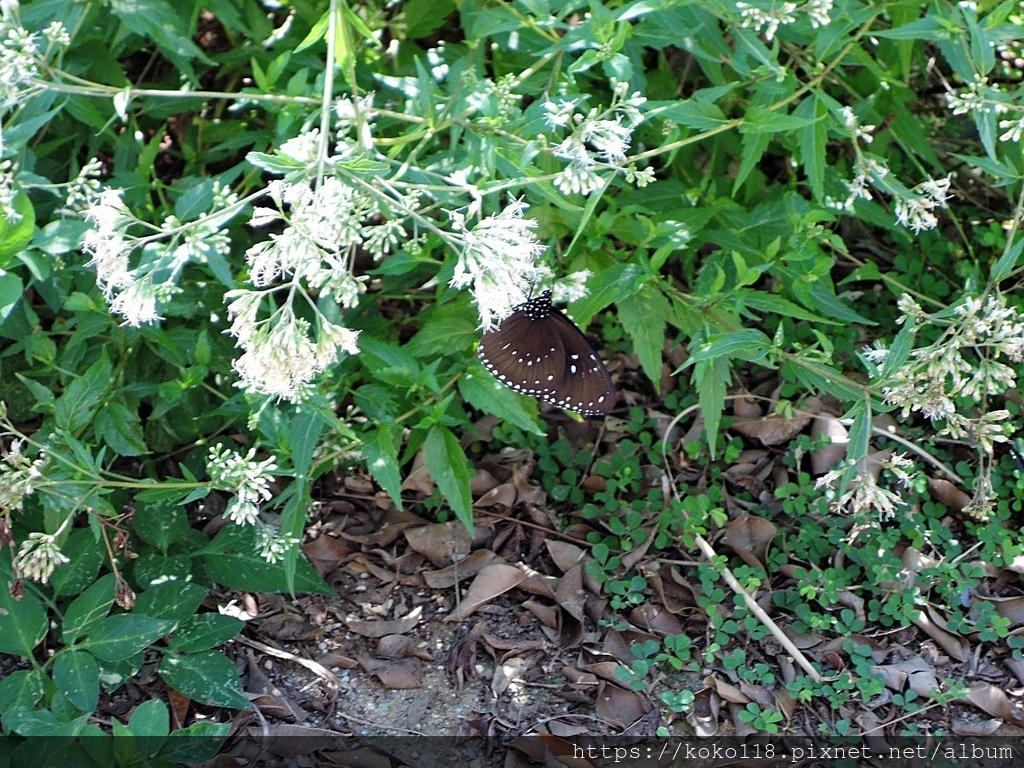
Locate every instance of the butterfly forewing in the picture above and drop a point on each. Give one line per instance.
(540, 352)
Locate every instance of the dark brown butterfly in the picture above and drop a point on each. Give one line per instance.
(540, 352)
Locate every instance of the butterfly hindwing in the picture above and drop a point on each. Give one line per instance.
(540, 352)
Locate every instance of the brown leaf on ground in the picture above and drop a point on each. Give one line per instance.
(391, 673)
(727, 691)
(771, 430)
(914, 673)
(382, 530)
(833, 452)
(545, 614)
(945, 492)
(289, 627)
(463, 570)
(1011, 608)
(336, 661)
(630, 559)
(326, 553)
(359, 757)
(618, 706)
(508, 672)
(976, 729)
(540, 748)
(569, 593)
(656, 619)
(493, 580)
(564, 554)
(399, 646)
(382, 628)
(957, 647)
(440, 543)
(291, 741)
(993, 701)
(749, 537)
(674, 592)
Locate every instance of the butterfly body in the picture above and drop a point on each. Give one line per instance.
(540, 352)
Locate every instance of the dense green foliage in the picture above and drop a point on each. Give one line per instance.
(758, 184)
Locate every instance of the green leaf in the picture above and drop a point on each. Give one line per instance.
(78, 677)
(120, 637)
(695, 113)
(11, 291)
(79, 402)
(232, 559)
(1002, 268)
(317, 32)
(712, 377)
(166, 26)
(170, 599)
(21, 690)
(826, 302)
(927, 28)
(485, 393)
(769, 302)
(381, 455)
(764, 120)
(643, 317)
(813, 138)
(208, 678)
(304, 432)
(205, 631)
(160, 522)
(198, 743)
(85, 555)
(150, 720)
(23, 622)
(608, 287)
(15, 235)
(451, 471)
(754, 146)
(121, 429)
(88, 609)
(424, 17)
(441, 335)
(746, 344)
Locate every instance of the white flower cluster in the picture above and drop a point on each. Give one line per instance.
(863, 493)
(247, 478)
(272, 545)
(19, 475)
(598, 141)
(134, 293)
(980, 97)
(961, 365)
(778, 14)
(915, 210)
(496, 260)
(38, 557)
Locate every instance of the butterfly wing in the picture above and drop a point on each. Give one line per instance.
(524, 354)
(588, 387)
(540, 352)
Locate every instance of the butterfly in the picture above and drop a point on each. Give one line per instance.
(540, 352)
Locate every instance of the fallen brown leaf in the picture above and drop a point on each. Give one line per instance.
(382, 628)
(391, 673)
(440, 543)
(495, 579)
(448, 577)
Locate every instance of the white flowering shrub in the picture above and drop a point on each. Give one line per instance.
(237, 258)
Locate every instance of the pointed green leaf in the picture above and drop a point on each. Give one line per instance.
(451, 471)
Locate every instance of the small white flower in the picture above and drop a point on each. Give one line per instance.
(497, 261)
(1014, 129)
(247, 478)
